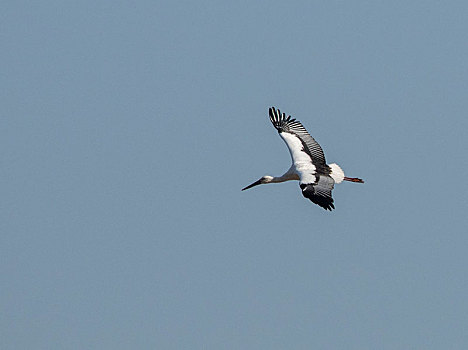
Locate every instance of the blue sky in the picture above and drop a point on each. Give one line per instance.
(128, 130)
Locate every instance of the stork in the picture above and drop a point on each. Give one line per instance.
(316, 177)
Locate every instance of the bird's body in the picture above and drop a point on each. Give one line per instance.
(316, 177)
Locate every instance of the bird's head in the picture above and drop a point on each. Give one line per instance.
(263, 180)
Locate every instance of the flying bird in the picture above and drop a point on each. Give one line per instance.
(316, 177)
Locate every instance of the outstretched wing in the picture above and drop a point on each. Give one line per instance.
(320, 191)
(298, 140)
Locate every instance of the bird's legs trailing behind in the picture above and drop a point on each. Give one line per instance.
(353, 179)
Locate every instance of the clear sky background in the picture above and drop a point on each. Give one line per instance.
(128, 129)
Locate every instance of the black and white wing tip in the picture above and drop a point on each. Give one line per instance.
(279, 120)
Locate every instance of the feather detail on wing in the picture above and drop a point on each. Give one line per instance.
(320, 192)
(291, 126)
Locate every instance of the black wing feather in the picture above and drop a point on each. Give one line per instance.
(320, 192)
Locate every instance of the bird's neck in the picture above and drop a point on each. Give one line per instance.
(286, 177)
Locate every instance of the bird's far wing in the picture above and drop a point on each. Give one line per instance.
(320, 191)
(294, 127)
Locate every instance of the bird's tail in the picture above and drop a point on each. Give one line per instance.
(337, 173)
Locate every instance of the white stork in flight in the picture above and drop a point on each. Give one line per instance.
(316, 177)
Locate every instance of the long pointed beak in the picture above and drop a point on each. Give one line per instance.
(258, 182)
